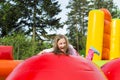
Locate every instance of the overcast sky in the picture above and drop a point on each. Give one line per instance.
(117, 2)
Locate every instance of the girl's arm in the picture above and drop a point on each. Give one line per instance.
(45, 50)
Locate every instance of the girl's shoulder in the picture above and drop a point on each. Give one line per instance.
(72, 51)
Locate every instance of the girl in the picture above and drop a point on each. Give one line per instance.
(61, 46)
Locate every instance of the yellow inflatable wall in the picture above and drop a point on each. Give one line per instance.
(115, 39)
(95, 32)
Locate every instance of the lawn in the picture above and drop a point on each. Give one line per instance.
(100, 62)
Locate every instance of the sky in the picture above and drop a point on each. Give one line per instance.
(117, 2)
(63, 15)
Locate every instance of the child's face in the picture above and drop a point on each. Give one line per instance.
(62, 45)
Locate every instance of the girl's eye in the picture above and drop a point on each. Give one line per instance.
(60, 43)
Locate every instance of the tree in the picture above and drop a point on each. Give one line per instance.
(77, 22)
(9, 15)
(31, 17)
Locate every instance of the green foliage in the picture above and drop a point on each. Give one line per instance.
(8, 18)
(22, 46)
(82, 52)
(77, 22)
(31, 17)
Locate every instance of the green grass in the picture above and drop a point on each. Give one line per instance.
(100, 62)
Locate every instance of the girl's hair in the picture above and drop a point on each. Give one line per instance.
(56, 50)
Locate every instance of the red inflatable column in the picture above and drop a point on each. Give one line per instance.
(6, 52)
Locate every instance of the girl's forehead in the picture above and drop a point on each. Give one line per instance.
(62, 40)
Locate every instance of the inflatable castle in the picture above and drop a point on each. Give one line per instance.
(103, 34)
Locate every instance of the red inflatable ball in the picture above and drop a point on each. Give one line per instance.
(112, 69)
(56, 67)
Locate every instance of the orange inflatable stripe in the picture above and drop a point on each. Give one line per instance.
(106, 41)
(6, 67)
(107, 28)
(106, 34)
(107, 14)
(106, 54)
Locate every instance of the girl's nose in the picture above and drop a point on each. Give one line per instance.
(62, 45)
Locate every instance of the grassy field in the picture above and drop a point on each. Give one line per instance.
(100, 62)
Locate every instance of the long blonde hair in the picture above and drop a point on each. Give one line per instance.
(55, 46)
